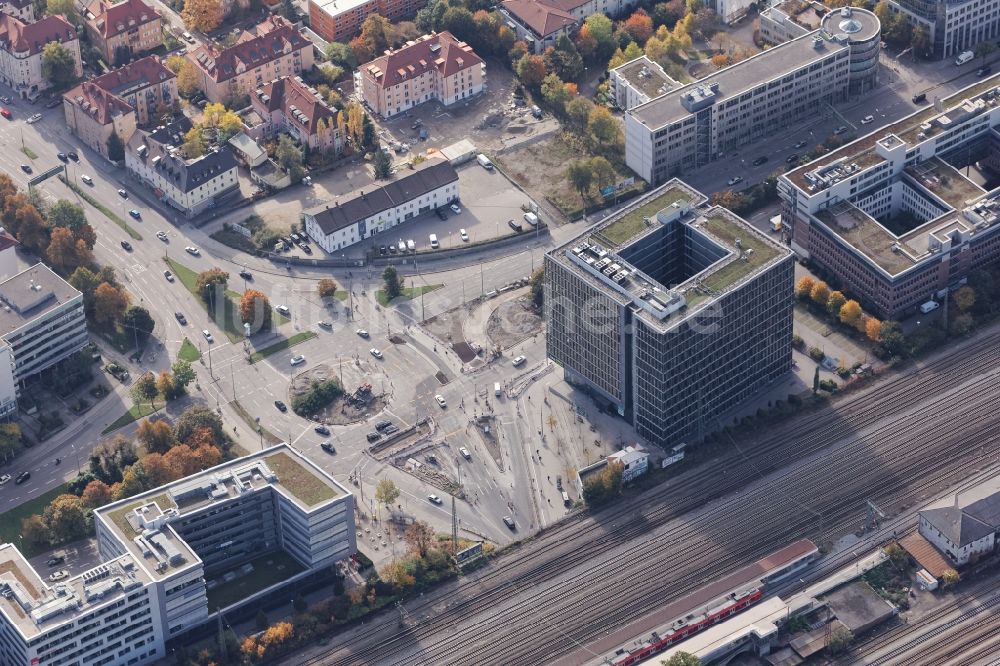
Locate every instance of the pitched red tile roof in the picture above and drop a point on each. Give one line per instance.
(111, 19)
(97, 102)
(148, 70)
(288, 92)
(439, 51)
(268, 42)
(19, 37)
(544, 19)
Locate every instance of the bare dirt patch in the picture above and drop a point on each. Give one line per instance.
(447, 326)
(512, 322)
(357, 403)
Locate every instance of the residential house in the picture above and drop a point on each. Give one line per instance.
(120, 31)
(361, 214)
(541, 22)
(435, 66)
(273, 50)
(21, 9)
(963, 533)
(21, 47)
(146, 85)
(289, 105)
(189, 185)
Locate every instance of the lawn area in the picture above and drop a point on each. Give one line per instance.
(725, 229)
(287, 343)
(134, 413)
(10, 520)
(632, 222)
(267, 570)
(235, 240)
(409, 293)
(299, 481)
(188, 352)
(29, 152)
(231, 324)
(80, 192)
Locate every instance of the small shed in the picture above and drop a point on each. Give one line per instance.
(247, 150)
(459, 152)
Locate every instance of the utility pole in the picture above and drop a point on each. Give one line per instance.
(222, 637)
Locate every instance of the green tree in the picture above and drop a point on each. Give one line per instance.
(144, 388)
(341, 55)
(965, 298)
(984, 50)
(381, 163)
(920, 41)
(840, 638)
(35, 533)
(66, 214)
(682, 659)
(116, 149)
(386, 493)
(601, 30)
(194, 143)
(66, 518)
(288, 10)
(58, 65)
(10, 441)
(578, 111)
(565, 60)
(458, 21)
(835, 301)
(581, 176)
(62, 8)
(138, 324)
(538, 288)
(602, 126)
(184, 374)
(554, 93)
(604, 486)
(604, 174)
(290, 157)
(393, 285)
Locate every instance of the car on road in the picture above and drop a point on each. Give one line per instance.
(734, 180)
(375, 352)
(169, 276)
(328, 447)
(455, 208)
(441, 214)
(34, 118)
(4, 478)
(760, 160)
(800, 144)
(283, 310)
(73, 156)
(62, 157)
(508, 521)
(53, 103)
(208, 335)
(434, 498)
(186, 36)
(21, 478)
(298, 359)
(322, 430)
(984, 70)
(281, 406)
(324, 324)
(55, 560)
(181, 318)
(840, 130)
(518, 361)
(134, 213)
(26, 168)
(464, 234)
(246, 275)
(123, 194)
(58, 575)
(515, 225)
(126, 246)
(792, 159)
(162, 235)
(362, 333)
(373, 436)
(87, 179)
(867, 119)
(465, 453)
(5, 112)
(192, 250)
(919, 98)
(441, 401)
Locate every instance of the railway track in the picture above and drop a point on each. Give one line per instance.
(525, 609)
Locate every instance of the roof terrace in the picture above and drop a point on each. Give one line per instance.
(945, 182)
(865, 233)
(632, 221)
(647, 77)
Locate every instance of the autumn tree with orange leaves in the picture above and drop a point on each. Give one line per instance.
(255, 309)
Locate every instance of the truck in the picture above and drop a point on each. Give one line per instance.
(964, 57)
(929, 306)
(484, 162)
(776, 223)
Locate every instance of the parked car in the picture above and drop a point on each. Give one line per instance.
(169, 276)
(441, 401)
(328, 447)
(126, 246)
(123, 194)
(375, 352)
(464, 235)
(362, 333)
(508, 521)
(5, 112)
(324, 324)
(134, 213)
(441, 214)
(192, 250)
(298, 359)
(21, 478)
(26, 168)
(181, 319)
(792, 159)
(85, 178)
(322, 430)
(34, 118)
(373, 436)
(919, 98)
(984, 70)
(208, 335)
(58, 575)
(186, 36)
(840, 130)
(73, 156)
(55, 560)
(515, 225)
(62, 157)
(53, 103)
(281, 406)
(734, 180)
(434, 498)
(382, 250)
(283, 310)
(518, 361)
(4, 478)
(455, 208)
(381, 426)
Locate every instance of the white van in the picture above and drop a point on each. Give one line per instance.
(565, 497)
(496, 389)
(401, 246)
(434, 241)
(929, 306)
(484, 162)
(776, 223)
(411, 246)
(964, 57)
(531, 219)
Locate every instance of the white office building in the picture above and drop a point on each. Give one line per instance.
(953, 27)
(638, 81)
(169, 555)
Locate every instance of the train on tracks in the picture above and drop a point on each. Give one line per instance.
(715, 603)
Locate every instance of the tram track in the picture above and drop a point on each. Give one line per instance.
(540, 614)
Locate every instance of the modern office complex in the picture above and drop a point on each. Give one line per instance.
(672, 310)
(173, 555)
(693, 125)
(891, 216)
(952, 26)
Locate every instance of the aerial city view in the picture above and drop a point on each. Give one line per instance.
(499, 332)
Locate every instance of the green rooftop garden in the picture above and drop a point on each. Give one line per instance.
(302, 483)
(118, 515)
(268, 569)
(725, 229)
(632, 223)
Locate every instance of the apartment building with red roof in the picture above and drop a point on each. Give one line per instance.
(273, 50)
(435, 66)
(289, 105)
(21, 47)
(541, 22)
(121, 31)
